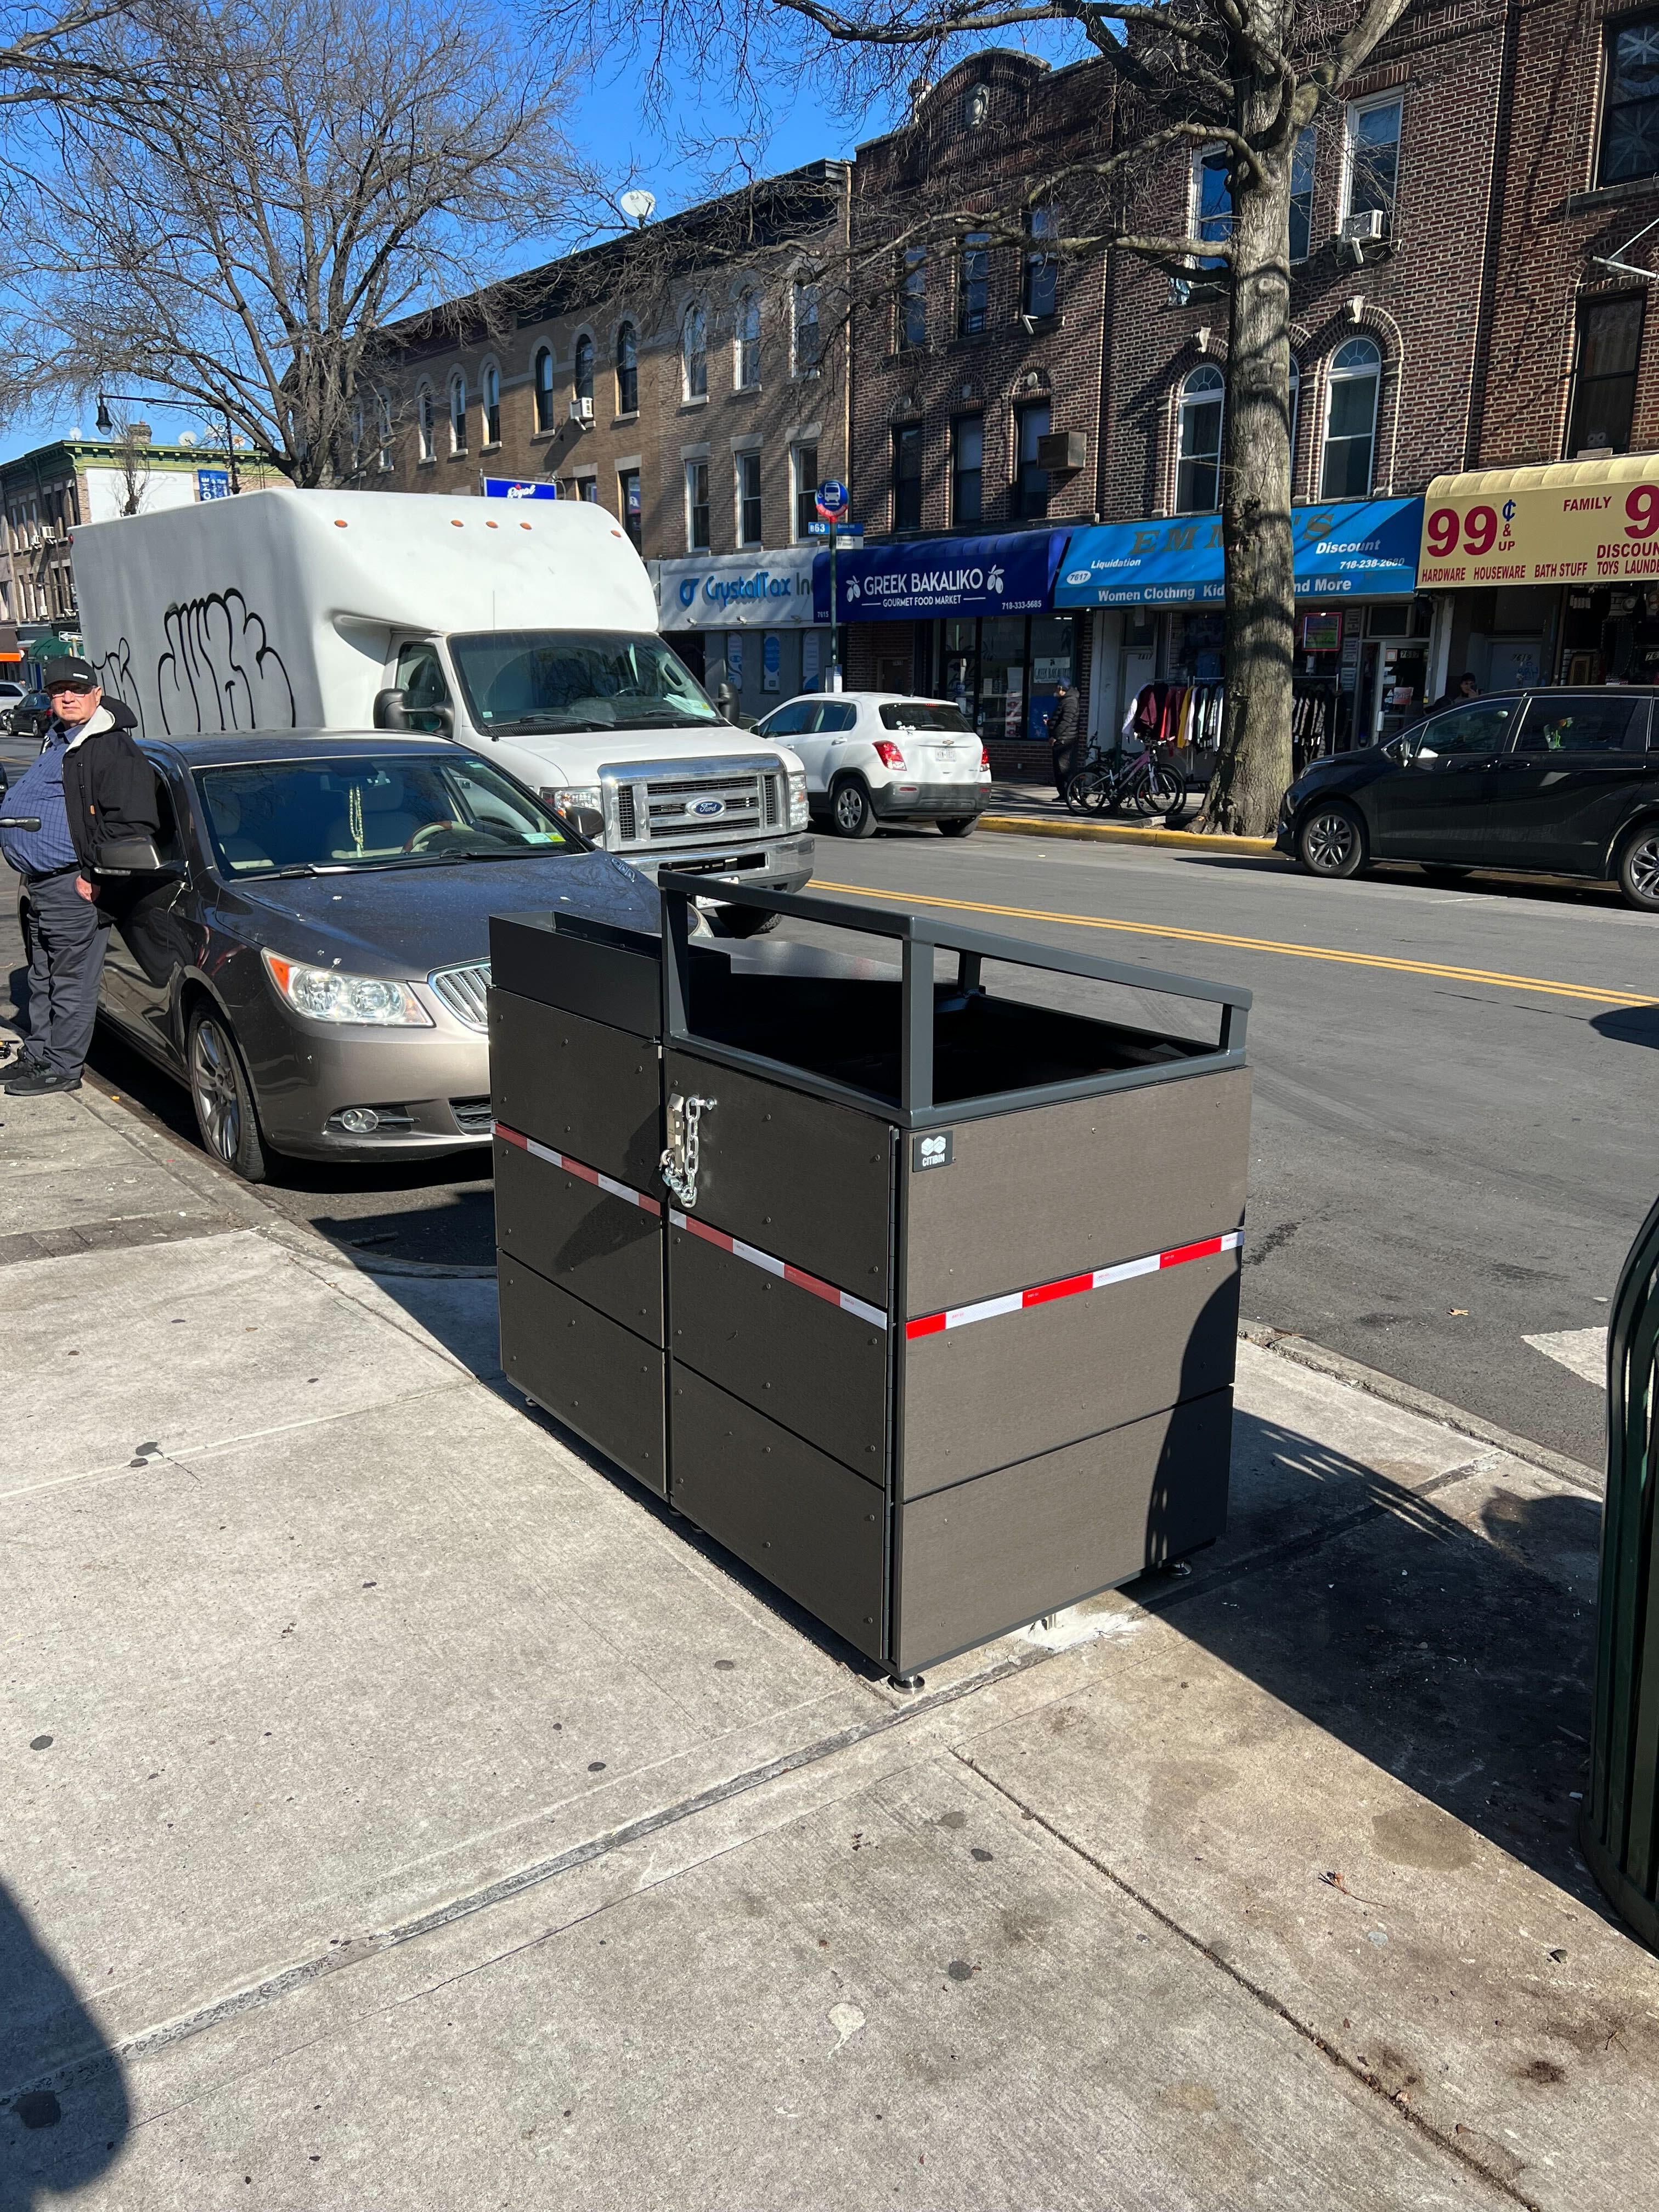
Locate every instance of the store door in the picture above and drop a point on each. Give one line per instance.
(1438, 803)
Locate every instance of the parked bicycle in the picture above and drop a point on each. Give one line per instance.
(1145, 784)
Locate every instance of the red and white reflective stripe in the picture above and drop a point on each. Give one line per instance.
(781, 1268)
(579, 1169)
(1072, 1286)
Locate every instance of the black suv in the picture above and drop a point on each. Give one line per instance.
(1562, 782)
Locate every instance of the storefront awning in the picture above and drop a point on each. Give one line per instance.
(1010, 576)
(1569, 522)
(1363, 548)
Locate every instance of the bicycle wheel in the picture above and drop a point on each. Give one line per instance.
(1165, 790)
(1080, 792)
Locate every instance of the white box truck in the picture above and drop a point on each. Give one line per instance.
(525, 628)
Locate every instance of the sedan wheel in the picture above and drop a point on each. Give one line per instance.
(851, 814)
(1331, 841)
(1638, 870)
(223, 1099)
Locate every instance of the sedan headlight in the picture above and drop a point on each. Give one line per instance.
(798, 814)
(324, 995)
(583, 805)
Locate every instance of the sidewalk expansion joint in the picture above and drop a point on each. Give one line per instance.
(1397, 2101)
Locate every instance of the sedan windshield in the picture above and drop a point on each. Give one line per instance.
(556, 679)
(357, 812)
(922, 715)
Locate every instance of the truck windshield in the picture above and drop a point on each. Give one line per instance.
(361, 811)
(555, 679)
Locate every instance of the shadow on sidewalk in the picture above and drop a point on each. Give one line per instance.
(58, 2137)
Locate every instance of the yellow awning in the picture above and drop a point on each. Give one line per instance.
(1565, 522)
(1547, 475)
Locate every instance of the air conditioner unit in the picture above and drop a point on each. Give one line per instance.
(1369, 229)
(1062, 451)
(581, 410)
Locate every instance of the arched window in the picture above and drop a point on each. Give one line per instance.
(747, 366)
(694, 354)
(627, 371)
(542, 376)
(1198, 447)
(492, 405)
(1356, 372)
(457, 413)
(585, 368)
(425, 417)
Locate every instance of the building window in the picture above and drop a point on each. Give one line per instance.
(745, 351)
(627, 370)
(628, 498)
(542, 372)
(696, 506)
(907, 477)
(967, 471)
(805, 465)
(587, 488)
(1197, 444)
(1629, 127)
(383, 430)
(693, 356)
(1373, 179)
(492, 405)
(1296, 413)
(1032, 482)
(357, 445)
(584, 370)
(749, 499)
(974, 283)
(913, 298)
(1213, 198)
(457, 413)
(1604, 375)
(808, 339)
(1042, 288)
(1302, 189)
(1356, 372)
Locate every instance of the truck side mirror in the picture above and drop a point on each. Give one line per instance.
(391, 710)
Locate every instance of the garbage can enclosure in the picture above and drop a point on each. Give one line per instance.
(939, 1336)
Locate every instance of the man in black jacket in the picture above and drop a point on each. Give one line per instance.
(1062, 735)
(91, 787)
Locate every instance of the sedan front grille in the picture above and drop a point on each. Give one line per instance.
(465, 992)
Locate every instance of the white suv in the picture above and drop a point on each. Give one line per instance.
(874, 756)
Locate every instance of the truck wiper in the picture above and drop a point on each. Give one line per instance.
(554, 723)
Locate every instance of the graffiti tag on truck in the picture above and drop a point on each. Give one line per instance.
(219, 670)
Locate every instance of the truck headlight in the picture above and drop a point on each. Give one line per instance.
(324, 995)
(583, 805)
(798, 814)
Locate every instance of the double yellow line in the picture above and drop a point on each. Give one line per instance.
(1583, 994)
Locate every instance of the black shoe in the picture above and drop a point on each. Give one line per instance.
(38, 1081)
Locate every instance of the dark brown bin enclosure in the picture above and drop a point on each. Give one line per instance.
(912, 1313)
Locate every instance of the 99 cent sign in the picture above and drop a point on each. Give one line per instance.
(1575, 532)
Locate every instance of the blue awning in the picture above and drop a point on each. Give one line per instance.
(1362, 549)
(1010, 576)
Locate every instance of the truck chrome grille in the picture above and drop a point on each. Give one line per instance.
(658, 804)
(625, 816)
(465, 992)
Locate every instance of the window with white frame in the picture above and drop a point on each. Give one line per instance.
(804, 477)
(492, 404)
(1198, 441)
(696, 506)
(542, 377)
(694, 354)
(627, 370)
(749, 499)
(1351, 394)
(746, 342)
(808, 343)
(1371, 178)
(1042, 279)
(1302, 190)
(1630, 104)
(457, 413)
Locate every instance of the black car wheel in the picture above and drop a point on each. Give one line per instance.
(1331, 841)
(1639, 869)
(959, 825)
(851, 814)
(224, 1097)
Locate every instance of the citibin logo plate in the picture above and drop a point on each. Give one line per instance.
(935, 1150)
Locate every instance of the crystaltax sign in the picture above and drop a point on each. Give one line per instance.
(1585, 522)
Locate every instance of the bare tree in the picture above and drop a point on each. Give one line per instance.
(260, 186)
(130, 451)
(1245, 78)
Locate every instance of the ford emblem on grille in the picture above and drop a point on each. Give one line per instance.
(708, 807)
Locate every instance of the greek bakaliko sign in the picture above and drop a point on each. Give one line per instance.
(1010, 576)
(1359, 548)
(1596, 523)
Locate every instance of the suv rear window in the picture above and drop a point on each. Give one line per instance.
(1587, 722)
(923, 714)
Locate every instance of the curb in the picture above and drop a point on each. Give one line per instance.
(1340, 1369)
(1113, 833)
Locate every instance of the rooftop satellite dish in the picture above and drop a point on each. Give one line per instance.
(188, 437)
(639, 207)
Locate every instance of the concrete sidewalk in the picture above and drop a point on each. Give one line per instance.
(403, 1811)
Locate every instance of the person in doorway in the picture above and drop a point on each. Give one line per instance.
(89, 787)
(1461, 692)
(1062, 735)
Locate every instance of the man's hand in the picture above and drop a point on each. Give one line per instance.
(84, 888)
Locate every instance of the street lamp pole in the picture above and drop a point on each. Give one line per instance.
(104, 423)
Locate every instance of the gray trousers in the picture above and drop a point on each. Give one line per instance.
(65, 936)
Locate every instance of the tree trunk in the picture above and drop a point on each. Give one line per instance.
(1254, 767)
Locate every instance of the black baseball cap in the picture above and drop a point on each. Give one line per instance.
(72, 675)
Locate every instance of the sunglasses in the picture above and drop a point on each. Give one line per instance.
(80, 690)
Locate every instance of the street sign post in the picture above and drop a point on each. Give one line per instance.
(832, 507)
(835, 530)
